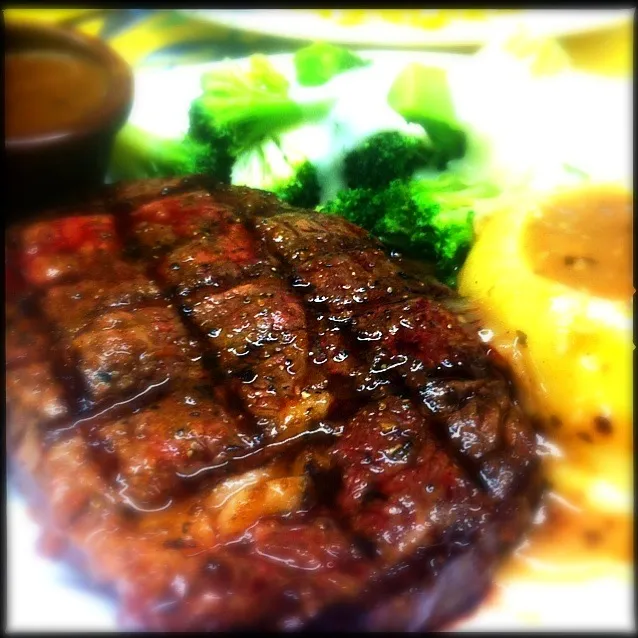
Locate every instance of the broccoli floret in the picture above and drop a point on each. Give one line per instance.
(139, 154)
(321, 61)
(422, 95)
(279, 167)
(237, 110)
(433, 224)
(427, 218)
(447, 142)
(405, 223)
(303, 188)
(384, 157)
(361, 206)
(244, 107)
(434, 219)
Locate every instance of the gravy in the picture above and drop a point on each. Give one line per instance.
(584, 242)
(48, 92)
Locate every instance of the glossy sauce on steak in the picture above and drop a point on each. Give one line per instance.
(239, 415)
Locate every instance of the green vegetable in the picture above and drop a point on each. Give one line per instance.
(384, 157)
(139, 154)
(303, 188)
(427, 218)
(250, 105)
(421, 91)
(448, 142)
(422, 95)
(361, 206)
(319, 62)
(237, 110)
(278, 166)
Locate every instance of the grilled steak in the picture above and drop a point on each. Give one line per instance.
(237, 414)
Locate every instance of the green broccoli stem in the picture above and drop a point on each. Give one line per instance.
(140, 154)
(449, 142)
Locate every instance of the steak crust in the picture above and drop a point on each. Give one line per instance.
(239, 415)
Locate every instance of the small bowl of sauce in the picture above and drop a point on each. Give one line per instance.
(66, 97)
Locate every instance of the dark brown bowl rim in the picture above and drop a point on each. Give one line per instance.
(112, 111)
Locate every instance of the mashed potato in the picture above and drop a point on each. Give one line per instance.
(552, 281)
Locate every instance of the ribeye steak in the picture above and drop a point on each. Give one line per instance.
(237, 414)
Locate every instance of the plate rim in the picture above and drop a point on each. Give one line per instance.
(408, 37)
(389, 53)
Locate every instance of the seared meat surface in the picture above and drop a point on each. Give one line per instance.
(242, 415)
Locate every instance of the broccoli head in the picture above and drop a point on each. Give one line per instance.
(432, 219)
(447, 142)
(361, 206)
(237, 110)
(405, 223)
(385, 156)
(280, 168)
(243, 107)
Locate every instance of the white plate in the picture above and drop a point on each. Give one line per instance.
(308, 25)
(44, 595)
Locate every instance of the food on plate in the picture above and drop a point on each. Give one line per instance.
(241, 110)
(318, 62)
(388, 155)
(418, 133)
(422, 95)
(140, 153)
(420, 91)
(428, 218)
(282, 167)
(249, 104)
(551, 279)
(247, 128)
(254, 124)
(421, 139)
(239, 414)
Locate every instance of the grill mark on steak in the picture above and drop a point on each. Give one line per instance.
(332, 349)
(190, 234)
(91, 417)
(374, 296)
(266, 331)
(184, 238)
(332, 555)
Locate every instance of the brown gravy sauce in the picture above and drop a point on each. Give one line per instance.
(584, 241)
(47, 91)
(570, 540)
